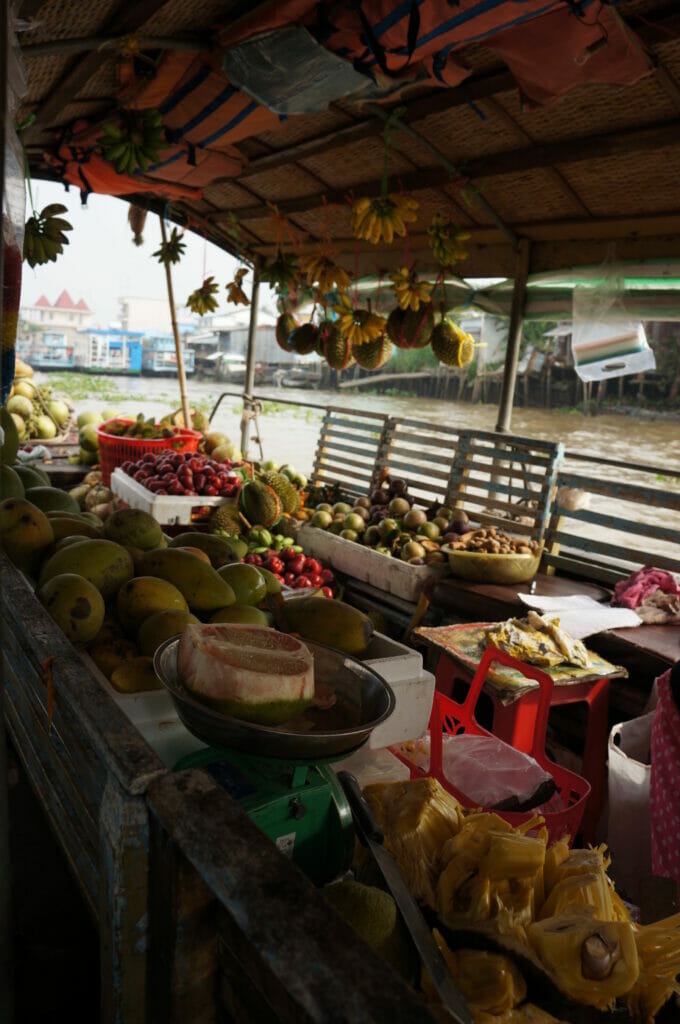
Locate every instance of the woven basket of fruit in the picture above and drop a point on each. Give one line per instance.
(492, 556)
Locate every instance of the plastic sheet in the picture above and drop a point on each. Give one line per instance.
(606, 341)
(489, 771)
(13, 216)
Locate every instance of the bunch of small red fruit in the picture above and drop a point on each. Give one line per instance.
(295, 570)
(184, 473)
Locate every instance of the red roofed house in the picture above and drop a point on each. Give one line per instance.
(65, 315)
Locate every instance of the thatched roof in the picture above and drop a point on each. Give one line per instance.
(593, 174)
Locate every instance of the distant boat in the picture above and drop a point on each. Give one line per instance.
(109, 350)
(47, 351)
(159, 356)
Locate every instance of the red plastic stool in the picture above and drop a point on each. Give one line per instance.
(516, 724)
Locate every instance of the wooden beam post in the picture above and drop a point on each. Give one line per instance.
(175, 330)
(249, 384)
(514, 335)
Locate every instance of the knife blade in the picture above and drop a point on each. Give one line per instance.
(371, 836)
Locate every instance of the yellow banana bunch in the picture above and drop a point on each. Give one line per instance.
(203, 300)
(446, 241)
(409, 290)
(359, 325)
(327, 275)
(235, 291)
(379, 220)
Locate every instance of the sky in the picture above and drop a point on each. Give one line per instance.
(101, 263)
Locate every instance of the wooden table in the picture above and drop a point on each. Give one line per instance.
(496, 601)
(661, 642)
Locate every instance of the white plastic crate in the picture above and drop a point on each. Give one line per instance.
(167, 509)
(388, 574)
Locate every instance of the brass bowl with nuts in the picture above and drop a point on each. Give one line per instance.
(489, 555)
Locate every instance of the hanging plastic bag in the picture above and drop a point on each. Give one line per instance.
(628, 832)
(606, 340)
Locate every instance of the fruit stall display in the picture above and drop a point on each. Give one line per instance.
(38, 414)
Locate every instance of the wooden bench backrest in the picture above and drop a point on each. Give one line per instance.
(631, 518)
(421, 453)
(504, 481)
(349, 449)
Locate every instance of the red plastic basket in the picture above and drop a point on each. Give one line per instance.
(564, 811)
(114, 451)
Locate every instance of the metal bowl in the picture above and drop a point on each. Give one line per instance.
(361, 692)
(484, 567)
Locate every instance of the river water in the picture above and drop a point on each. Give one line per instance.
(289, 434)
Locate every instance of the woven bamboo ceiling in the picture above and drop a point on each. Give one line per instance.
(591, 174)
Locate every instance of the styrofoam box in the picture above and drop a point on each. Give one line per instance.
(388, 574)
(167, 509)
(402, 668)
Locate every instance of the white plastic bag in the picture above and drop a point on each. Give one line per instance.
(606, 340)
(629, 833)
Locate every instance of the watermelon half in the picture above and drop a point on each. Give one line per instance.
(250, 672)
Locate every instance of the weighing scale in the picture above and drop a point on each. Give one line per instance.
(281, 776)
(301, 807)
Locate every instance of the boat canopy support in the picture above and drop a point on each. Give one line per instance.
(519, 298)
(250, 362)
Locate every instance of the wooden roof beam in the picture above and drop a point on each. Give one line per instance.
(566, 151)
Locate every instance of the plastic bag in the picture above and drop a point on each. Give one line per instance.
(628, 832)
(488, 771)
(606, 340)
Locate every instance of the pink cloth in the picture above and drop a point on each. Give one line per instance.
(664, 800)
(631, 593)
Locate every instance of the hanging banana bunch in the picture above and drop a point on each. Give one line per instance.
(379, 220)
(283, 273)
(203, 300)
(172, 250)
(137, 220)
(134, 142)
(409, 290)
(446, 241)
(45, 235)
(235, 291)
(320, 270)
(357, 324)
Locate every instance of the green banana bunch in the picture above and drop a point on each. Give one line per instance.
(283, 273)
(172, 250)
(446, 241)
(45, 235)
(134, 142)
(203, 300)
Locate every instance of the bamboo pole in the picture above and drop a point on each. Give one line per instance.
(249, 384)
(178, 344)
(514, 336)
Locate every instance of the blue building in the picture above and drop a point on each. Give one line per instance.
(109, 350)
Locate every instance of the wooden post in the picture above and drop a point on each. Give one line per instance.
(514, 336)
(249, 384)
(178, 344)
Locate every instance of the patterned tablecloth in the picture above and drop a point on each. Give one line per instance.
(467, 643)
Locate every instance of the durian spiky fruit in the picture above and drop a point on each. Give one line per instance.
(285, 325)
(286, 491)
(373, 354)
(451, 345)
(225, 519)
(260, 503)
(411, 328)
(303, 339)
(336, 347)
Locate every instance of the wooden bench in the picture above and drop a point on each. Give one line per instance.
(422, 453)
(349, 450)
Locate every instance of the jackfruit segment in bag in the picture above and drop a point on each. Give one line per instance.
(591, 961)
(417, 819)
(658, 947)
(538, 641)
